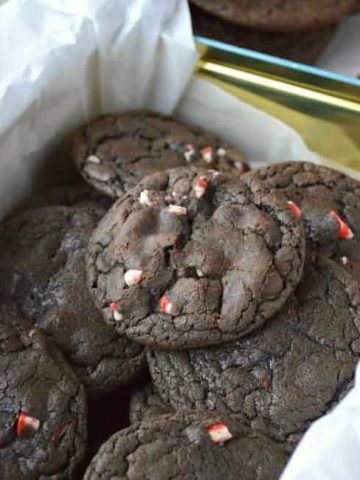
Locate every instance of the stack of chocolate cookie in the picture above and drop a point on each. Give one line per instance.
(238, 289)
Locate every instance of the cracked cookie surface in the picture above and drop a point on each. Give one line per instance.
(188, 446)
(43, 277)
(113, 152)
(284, 376)
(317, 191)
(193, 258)
(42, 406)
(145, 403)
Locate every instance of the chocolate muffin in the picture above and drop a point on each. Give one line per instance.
(42, 406)
(191, 258)
(114, 152)
(188, 445)
(43, 278)
(283, 376)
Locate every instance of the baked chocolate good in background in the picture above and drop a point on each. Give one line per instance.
(42, 406)
(329, 204)
(42, 265)
(280, 15)
(298, 30)
(192, 258)
(145, 403)
(113, 152)
(188, 445)
(283, 376)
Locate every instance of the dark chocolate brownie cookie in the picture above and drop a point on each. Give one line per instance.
(284, 376)
(191, 258)
(42, 407)
(43, 277)
(188, 446)
(145, 403)
(66, 195)
(329, 204)
(280, 15)
(114, 152)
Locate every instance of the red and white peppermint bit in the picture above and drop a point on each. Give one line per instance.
(26, 424)
(219, 433)
(344, 231)
(177, 209)
(221, 152)
(144, 199)
(132, 277)
(189, 152)
(201, 184)
(294, 209)
(165, 305)
(93, 159)
(207, 154)
(116, 314)
(344, 260)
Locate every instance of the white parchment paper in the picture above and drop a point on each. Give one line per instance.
(64, 61)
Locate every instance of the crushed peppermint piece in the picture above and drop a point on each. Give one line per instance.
(199, 273)
(144, 199)
(116, 314)
(294, 209)
(219, 433)
(221, 152)
(93, 159)
(177, 209)
(207, 154)
(344, 231)
(239, 166)
(189, 152)
(25, 424)
(132, 277)
(165, 305)
(344, 260)
(200, 187)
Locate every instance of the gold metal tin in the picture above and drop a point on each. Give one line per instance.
(322, 106)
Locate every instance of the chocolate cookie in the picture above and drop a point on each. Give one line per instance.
(66, 195)
(329, 204)
(280, 15)
(43, 277)
(42, 407)
(188, 446)
(191, 258)
(145, 403)
(114, 152)
(283, 376)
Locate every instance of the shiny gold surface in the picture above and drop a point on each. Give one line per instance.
(323, 109)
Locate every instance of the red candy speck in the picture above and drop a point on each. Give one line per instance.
(25, 423)
(344, 231)
(219, 433)
(165, 304)
(294, 209)
(113, 307)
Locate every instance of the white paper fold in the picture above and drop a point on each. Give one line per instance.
(64, 61)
